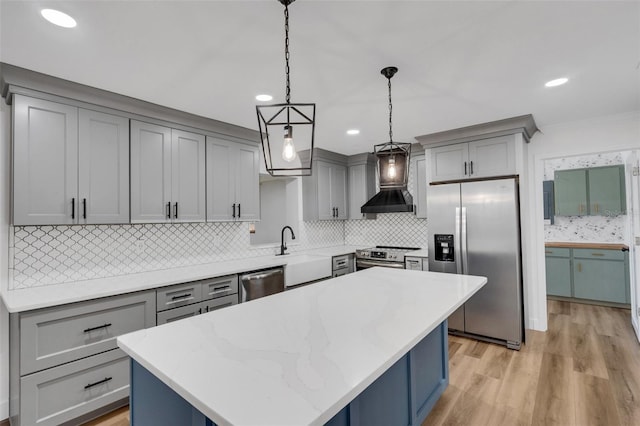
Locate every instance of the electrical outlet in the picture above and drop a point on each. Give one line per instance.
(216, 241)
(639, 312)
(140, 246)
(638, 241)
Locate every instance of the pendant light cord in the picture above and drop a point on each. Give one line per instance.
(286, 50)
(390, 112)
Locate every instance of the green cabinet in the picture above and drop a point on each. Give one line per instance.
(570, 187)
(585, 273)
(607, 191)
(596, 191)
(558, 262)
(601, 275)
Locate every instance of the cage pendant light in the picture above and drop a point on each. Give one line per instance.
(287, 129)
(393, 157)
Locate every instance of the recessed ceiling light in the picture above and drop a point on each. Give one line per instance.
(556, 82)
(264, 98)
(58, 18)
(353, 131)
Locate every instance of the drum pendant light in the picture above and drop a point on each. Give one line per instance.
(287, 129)
(393, 157)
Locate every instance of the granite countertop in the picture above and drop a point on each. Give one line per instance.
(21, 300)
(298, 357)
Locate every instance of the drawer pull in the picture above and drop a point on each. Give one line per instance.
(88, 330)
(548, 252)
(182, 296)
(221, 289)
(105, 380)
(597, 254)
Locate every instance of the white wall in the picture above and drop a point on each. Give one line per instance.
(5, 179)
(602, 134)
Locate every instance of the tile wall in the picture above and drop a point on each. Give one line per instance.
(604, 229)
(44, 255)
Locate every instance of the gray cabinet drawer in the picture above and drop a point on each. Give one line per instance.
(219, 303)
(219, 286)
(179, 295)
(54, 336)
(413, 263)
(340, 262)
(598, 254)
(63, 393)
(179, 313)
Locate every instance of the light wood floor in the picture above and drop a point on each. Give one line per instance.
(585, 370)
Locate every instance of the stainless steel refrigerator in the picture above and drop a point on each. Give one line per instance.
(474, 229)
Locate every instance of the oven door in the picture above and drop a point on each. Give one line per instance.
(366, 263)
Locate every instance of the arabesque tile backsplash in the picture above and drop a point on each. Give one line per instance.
(44, 255)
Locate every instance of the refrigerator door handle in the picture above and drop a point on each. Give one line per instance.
(463, 238)
(457, 252)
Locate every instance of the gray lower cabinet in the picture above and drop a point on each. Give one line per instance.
(64, 360)
(195, 298)
(558, 271)
(66, 392)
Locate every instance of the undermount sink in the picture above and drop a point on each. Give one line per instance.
(302, 268)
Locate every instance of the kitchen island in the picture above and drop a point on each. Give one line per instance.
(364, 348)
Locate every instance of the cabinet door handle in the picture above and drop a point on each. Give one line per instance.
(105, 380)
(234, 210)
(470, 168)
(199, 311)
(221, 289)
(89, 330)
(182, 296)
(597, 254)
(337, 212)
(169, 210)
(548, 252)
(597, 208)
(239, 214)
(84, 208)
(175, 210)
(579, 267)
(73, 208)
(465, 168)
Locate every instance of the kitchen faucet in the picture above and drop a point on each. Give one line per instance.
(283, 246)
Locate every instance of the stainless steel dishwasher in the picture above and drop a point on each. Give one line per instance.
(256, 284)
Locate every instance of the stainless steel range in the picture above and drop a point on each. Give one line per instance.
(385, 256)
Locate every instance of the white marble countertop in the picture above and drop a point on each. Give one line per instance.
(298, 357)
(27, 299)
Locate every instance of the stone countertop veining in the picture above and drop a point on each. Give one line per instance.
(20, 300)
(298, 357)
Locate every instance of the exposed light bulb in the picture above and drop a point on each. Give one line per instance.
(288, 149)
(391, 171)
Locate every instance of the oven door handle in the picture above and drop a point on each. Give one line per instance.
(371, 263)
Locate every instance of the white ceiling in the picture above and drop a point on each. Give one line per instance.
(460, 63)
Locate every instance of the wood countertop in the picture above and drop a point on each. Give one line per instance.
(597, 246)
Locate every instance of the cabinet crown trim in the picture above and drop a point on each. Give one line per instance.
(524, 124)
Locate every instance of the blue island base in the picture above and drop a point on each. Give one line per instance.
(403, 395)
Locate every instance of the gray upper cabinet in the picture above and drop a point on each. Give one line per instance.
(325, 192)
(419, 172)
(476, 159)
(103, 168)
(167, 174)
(188, 193)
(362, 184)
(233, 187)
(70, 165)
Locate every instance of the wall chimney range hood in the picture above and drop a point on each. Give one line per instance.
(393, 170)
